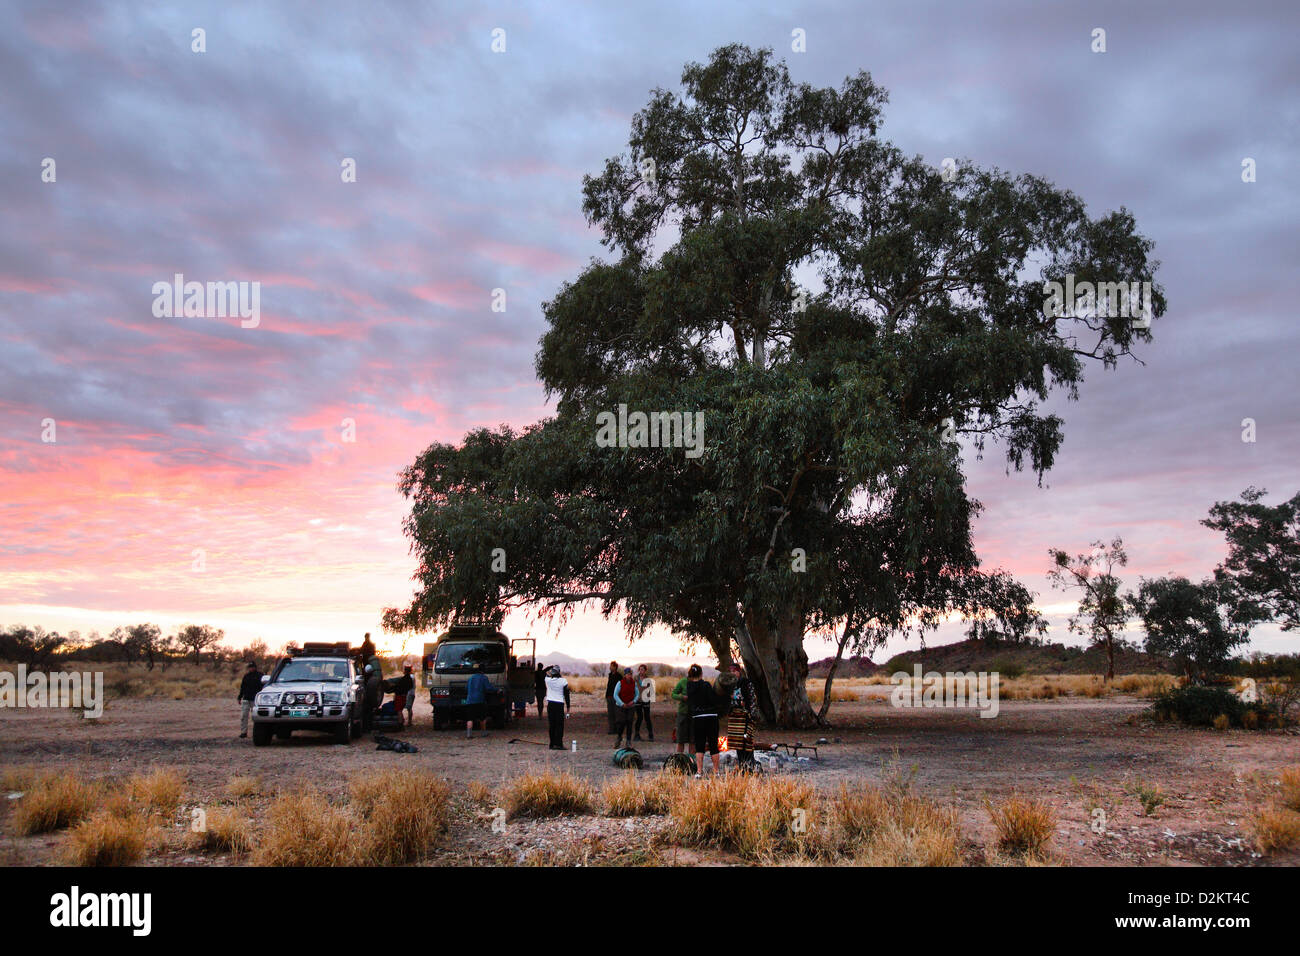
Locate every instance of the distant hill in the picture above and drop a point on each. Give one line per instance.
(575, 666)
(849, 667)
(974, 655)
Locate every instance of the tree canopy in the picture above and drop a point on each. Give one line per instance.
(841, 314)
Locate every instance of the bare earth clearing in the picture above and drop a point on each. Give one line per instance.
(1075, 754)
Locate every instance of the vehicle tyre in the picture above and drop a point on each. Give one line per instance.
(343, 732)
(261, 735)
(439, 721)
(498, 720)
(355, 724)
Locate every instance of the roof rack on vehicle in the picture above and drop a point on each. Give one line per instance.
(323, 649)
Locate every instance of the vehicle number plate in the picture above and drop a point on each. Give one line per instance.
(299, 711)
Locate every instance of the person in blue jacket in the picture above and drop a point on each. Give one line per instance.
(476, 699)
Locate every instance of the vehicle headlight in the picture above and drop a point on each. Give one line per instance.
(333, 696)
(268, 700)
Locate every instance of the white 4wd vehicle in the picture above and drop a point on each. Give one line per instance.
(316, 689)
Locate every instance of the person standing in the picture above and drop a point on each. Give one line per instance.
(404, 695)
(645, 696)
(557, 704)
(370, 699)
(611, 681)
(476, 699)
(704, 718)
(539, 686)
(625, 697)
(742, 717)
(365, 652)
(248, 689)
(684, 732)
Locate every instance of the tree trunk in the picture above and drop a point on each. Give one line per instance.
(778, 667)
(830, 679)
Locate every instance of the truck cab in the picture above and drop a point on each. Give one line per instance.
(449, 662)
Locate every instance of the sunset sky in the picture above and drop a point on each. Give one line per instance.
(176, 436)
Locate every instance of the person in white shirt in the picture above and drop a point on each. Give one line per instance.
(645, 686)
(557, 705)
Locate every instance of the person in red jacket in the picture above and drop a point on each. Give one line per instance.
(625, 698)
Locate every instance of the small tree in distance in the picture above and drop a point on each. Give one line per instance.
(1189, 623)
(1102, 611)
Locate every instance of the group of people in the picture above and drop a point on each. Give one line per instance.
(627, 702)
(701, 705)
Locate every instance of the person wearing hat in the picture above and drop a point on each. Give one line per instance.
(557, 705)
(248, 689)
(625, 698)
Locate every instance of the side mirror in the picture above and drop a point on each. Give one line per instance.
(266, 679)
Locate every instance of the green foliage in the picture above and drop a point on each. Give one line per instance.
(832, 414)
(1261, 574)
(1007, 668)
(1187, 623)
(1198, 706)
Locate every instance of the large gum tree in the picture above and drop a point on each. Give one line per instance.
(841, 314)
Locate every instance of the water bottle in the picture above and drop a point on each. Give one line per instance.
(573, 745)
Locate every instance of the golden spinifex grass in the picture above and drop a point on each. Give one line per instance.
(1289, 787)
(878, 826)
(634, 794)
(548, 795)
(402, 813)
(108, 839)
(17, 779)
(1024, 826)
(1275, 828)
(55, 801)
(751, 815)
(479, 792)
(243, 788)
(305, 829)
(225, 830)
(158, 790)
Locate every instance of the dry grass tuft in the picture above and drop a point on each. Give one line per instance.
(893, 827)
(226, 832)
(754, 816)
(1289, 781)
(304, 829)
(1275, 829)
(55, 801)
(17, 778)
(106, 839)
(403, 813)
(1024, 826)
(158, 791)
(243, 788)
(479, 792)
(634, 795)
(547, 795)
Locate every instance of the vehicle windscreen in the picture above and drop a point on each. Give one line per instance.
(295, 671)
(463, 658)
